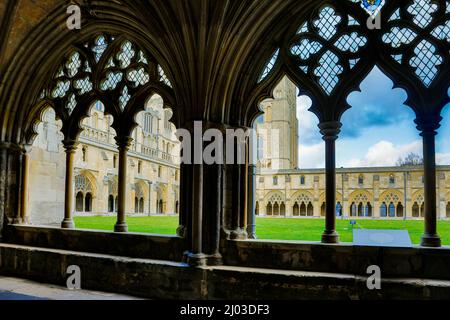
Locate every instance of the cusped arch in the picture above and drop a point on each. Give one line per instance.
(418, 197)
(38, 60)
(331, 39)
(86, 182)
(359, 196)
(302, 197)
(391, 195)
(274, 197)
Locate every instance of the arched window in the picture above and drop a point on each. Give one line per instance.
(282, 209)
(296, 210)
(368, 210)
(310, 210)
(269, 211)
(338, 209)
(322, 209)
(79, 206)
(422, 210)
(136, 205)
(383, 210)
(302, 180)
(114, 161)
(88, 203)
(415, 210)
(392, 210)
(256, 208)
(400, 210)
(448, 210)
(276, 209)
(360, 210)
(161, 206)
(275, 181)
(303, 210)
(353, 210)
(111, 203)
(141, 205)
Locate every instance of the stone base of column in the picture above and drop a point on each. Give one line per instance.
(251, 231)
(181, 231)
(238, 234)
(431, 241)
(214, 260)
(330, 237)
(68, 224)
(121, 227)
(196, 260)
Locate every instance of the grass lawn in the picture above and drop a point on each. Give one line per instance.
(269, 228)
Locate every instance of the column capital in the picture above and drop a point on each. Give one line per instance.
(70, 145)
(428, 124)
(123, 141)
(330, 130)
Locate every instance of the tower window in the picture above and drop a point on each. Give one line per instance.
(361, 180)
(115, 162)
(140, 167)
(392, 179)
(302, 180)
(275, 181)
(84, 151)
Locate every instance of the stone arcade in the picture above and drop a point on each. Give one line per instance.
(215, 62)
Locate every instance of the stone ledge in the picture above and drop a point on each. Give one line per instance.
(170, 280)
(416, 262)
(135, 245)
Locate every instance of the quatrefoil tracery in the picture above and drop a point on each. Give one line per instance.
(418, 38)
(328, 46)
(103, 65)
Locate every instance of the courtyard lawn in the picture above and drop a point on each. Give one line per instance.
(270, 228)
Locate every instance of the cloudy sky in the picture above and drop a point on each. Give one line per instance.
(377, 130)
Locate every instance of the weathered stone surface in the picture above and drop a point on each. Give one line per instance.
(127, 245)
(342, 258)
(169, 280)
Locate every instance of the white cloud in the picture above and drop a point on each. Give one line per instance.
(385, 153)
(312, 156)
(443, 158)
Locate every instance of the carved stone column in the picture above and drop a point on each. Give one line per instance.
(25, 185)
(330, 132)
(251, 228)
(428, 129)
(123, 144)
(70, 148)
(196, 257)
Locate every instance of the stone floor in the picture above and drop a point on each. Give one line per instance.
(20, 289)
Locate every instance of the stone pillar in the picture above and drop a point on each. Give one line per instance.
(123, 144)
(150, 187)
(25, 184)
(70, 148)
(196, 257)
(330, 132)
(428, 129)
(251, 228)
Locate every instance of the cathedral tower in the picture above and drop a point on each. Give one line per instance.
(277, 129)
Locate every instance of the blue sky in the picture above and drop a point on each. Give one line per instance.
(377, 130)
